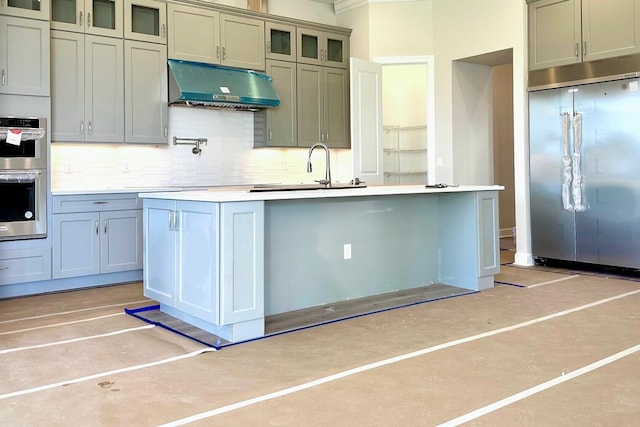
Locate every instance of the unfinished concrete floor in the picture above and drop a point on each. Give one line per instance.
(562, 348)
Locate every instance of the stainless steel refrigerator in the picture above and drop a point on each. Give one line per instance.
(585, 173)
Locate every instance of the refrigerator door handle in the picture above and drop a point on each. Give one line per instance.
(576, 184)
(566, 163)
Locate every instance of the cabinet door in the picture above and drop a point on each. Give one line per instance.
(336, 50)
(194, 34)
(104, 89)
(68, 15)
(610, 28)
(336, 107)
(25, 265)
(67, 86)
(241, 262)
(145, 20)
(24, 56)
(146, 92)
(280, 41)
(309, 46)
(159, 250)
(104, 17)
(121, 241)
(554, 33)
(242, 41)
(310, 104)
(26, 9)
(282, 129)
(197, 286)
(76, 246)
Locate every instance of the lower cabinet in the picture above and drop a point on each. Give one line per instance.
(25, 265)
(96, 234)
(205, 259)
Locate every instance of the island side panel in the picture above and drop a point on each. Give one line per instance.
(394, 246)
(458, 240)
(469, 241)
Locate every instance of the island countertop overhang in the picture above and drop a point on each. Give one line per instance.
(242, 194)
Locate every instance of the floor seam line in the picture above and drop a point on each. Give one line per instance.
(74, 340)
(385, 362)
(539, 388)
(104, 374)
(61, 313)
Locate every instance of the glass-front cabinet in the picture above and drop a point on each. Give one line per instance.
(280, 41)
(34, 9)
(145, 20)
(99, 17)
(322, 48)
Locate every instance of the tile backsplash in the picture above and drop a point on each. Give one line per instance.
(228, 158)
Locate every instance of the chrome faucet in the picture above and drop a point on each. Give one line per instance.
(327, 174)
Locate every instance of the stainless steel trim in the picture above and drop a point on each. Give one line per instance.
(621, 67)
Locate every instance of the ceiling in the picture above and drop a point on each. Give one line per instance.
(325, 1)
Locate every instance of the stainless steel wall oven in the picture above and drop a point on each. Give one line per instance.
(23, 178)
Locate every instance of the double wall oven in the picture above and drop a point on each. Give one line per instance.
(23, 178)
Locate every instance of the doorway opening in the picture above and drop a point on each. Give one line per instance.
(483, 137)
(407, 118)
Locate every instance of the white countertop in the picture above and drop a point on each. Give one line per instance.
(242, 194)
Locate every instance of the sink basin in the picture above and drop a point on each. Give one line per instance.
(299, 187)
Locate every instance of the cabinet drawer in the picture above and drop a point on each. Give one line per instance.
(96, 202)
(25, 265)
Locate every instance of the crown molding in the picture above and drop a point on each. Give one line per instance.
(340, 6)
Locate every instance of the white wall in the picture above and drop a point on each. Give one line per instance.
(466, 28)
(227, 159)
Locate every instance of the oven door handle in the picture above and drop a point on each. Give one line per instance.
(20, 177)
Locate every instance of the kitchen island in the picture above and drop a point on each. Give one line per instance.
(224, 258)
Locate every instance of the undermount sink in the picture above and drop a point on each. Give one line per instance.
(299, 187)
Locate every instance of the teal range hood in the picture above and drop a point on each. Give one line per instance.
(206, 85)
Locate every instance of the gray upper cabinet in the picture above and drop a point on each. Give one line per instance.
(205, 35)
(145, 78)
(280, 41)
(322, 48)
(242, 42)
(87, 78)
(24, 56)
(278, 127)
(26, 9)
(323, 106)
(99, 17)
(194, 34)
(565, 32)
(145, 20)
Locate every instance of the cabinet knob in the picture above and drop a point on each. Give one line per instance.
(97, 227)
(82, 127)
(88, 19)
(90, 128)
(217, 52)
(164, 31)
(224, 53)
(80, 19)
(105, 226)
(2, 267)
(4, 79)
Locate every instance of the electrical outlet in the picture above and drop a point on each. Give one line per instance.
(347, 251)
